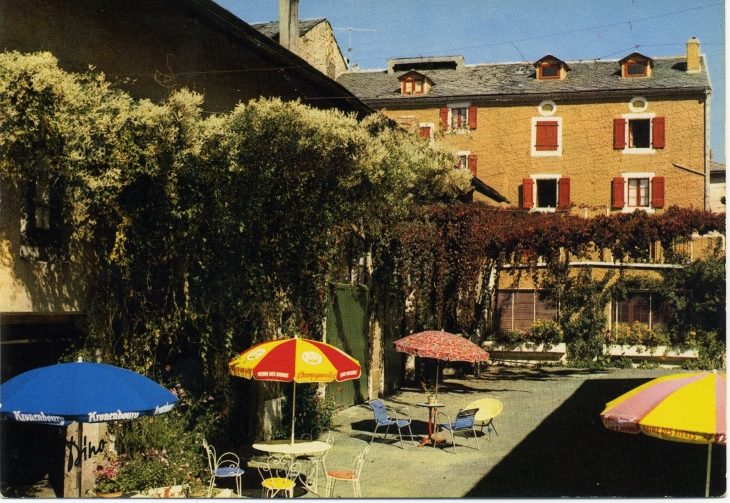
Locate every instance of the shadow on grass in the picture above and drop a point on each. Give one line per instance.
(571, 454)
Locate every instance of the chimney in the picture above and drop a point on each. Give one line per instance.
(693, 55)
(289, 24)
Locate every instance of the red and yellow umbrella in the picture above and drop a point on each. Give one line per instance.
(295, 360)
(679, 407)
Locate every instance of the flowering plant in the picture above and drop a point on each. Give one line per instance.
(166, 450)
(430, 389)
(106, 477)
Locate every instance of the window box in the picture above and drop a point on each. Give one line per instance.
(663, 355)
(525, 353)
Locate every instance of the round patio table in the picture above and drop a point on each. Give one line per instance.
(432, 410)
(295, 449)
(302, 448)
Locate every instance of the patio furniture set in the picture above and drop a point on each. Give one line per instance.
(287, 464)
(478, 413)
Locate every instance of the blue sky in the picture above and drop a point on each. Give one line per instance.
(519, 30)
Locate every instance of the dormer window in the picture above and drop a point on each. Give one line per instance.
(549, 71)
(412, 86)
(413, 82)
(636, 65)
(550, 68)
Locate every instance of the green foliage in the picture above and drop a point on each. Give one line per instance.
(167, 450)
(197, 229)
(712, 352)
(546, 332)
(637, 334)
(314, 413)
(697, 293)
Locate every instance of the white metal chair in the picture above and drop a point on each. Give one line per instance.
(314, 462)
(225, 465)
(348, 475)
(279, 474)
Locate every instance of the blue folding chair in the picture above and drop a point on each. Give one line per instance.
(388, 416)
(464, 421)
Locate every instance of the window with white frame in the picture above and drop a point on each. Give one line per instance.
(467, 160)
(459, 117)
(639, 133)
(547, 134)
(633, 191)
(545, 192)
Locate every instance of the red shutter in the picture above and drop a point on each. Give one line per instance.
(473, 164)
(444, 118)
(657, 192)
(563, 192)
(657, 140)
(618, 193)
(546, 136)
(425, 132)
(619, 134)
(527, 193)
(472, 117)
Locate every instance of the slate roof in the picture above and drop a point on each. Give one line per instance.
(517, 80)
(271, 29)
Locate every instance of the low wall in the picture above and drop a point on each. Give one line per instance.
(527, 353)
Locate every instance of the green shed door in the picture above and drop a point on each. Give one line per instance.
(347, 328)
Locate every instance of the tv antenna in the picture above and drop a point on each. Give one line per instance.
(350, 30)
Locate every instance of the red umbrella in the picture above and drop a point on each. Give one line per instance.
(442, 346)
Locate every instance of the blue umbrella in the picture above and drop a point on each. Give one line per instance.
(83, 392)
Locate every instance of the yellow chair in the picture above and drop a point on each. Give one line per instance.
(489, 408)
(279, 474)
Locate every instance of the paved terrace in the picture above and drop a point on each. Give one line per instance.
(550, 443)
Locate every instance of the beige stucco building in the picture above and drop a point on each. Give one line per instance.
(589, 137)
(593, 136)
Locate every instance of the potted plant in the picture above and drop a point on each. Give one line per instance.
(431, 392)
(108, 484)
(196, 488)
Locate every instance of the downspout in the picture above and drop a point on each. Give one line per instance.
(708, 94)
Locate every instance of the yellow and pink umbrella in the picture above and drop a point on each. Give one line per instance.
(680, 407)
(295, 360)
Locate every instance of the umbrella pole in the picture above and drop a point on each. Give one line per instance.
(78, 468)
(709, 461)
(437, 380)
(293, 407)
